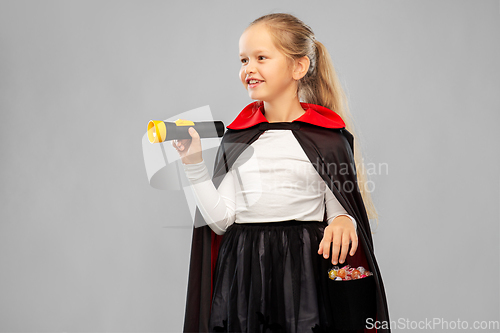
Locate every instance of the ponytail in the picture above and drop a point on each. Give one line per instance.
(323, 87)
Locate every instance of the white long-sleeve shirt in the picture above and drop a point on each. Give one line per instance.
(272, 180)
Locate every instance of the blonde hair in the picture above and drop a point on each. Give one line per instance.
(321, 84)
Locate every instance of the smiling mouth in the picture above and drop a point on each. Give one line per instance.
(254, 83)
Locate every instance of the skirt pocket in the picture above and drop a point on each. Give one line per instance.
(353, 302)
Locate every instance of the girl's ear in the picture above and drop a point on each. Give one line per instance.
(301, 66)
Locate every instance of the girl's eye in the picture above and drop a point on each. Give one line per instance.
(260, 58)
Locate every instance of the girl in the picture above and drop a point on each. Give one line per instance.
(274, 208)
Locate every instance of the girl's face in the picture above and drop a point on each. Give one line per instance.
(262, 61)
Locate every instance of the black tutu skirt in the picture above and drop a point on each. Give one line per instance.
(269, 277)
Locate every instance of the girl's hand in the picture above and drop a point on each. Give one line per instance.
(189, 149)
(341, 231)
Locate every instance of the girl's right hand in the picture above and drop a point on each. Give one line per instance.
(189, 149)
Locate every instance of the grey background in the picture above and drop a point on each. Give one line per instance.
(85, 243)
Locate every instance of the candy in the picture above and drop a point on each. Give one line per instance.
(347, 273)
(332, 274)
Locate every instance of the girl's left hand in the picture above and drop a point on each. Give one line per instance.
(341, 232)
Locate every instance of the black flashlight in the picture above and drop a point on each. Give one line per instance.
(160, 131)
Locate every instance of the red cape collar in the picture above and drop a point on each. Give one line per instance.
(315, 114)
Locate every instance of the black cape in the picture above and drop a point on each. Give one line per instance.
(329, 146)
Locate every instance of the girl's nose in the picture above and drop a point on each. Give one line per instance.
(249, 69)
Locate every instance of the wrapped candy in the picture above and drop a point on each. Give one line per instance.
(332, 274)
(347, 273)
